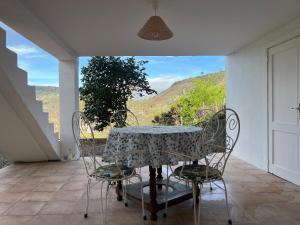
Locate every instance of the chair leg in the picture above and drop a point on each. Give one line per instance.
(106, 197)
(226, 198)
(88, 188)
(166, 195)
(124, 192)
(199, 205)
(102, 208)
(142, 197)
(210, 186)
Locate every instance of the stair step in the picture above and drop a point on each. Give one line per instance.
(28, 96)
(22, 75)
(51, 125)
(51, 128)
(2, 38)
(9, 58)
(45, 118)
(19, 78)
(39, 105)
(32, 93)
(38, 119)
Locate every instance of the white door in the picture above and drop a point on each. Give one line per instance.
(284, 112)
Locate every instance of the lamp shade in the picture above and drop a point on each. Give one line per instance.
(155, 29)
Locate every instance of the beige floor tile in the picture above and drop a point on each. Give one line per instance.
(51, 220)
(15, 220)
(55, 179)
(20, 187)
(49, 186)
(4, 207)
(280, 221)
(72, 186)
(7, 197)
(58, 207)
(40, 196)
(54, 193)
(68, 195)
(25, 208)
(5, 187)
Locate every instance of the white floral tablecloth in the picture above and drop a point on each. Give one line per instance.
(145, 145)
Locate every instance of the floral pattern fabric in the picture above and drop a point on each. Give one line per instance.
(146, 145)
(113, 171)
(197, 172)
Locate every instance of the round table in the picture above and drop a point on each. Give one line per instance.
(143, 145)
(148, 142)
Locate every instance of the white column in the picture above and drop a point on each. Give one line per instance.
(68, 103)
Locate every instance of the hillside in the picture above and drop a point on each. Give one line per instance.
(145, 109)
(50, 98)
(181, 87)
(148, 108)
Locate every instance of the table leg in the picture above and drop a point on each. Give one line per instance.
(197, 188)
(159, 177)
(119, 190)
(152, 186)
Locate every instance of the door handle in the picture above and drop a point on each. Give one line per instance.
(297, 108)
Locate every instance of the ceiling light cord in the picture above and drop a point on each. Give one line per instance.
(155, 6)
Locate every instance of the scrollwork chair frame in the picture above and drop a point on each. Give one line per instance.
(96, 169)
(123, 118)
(219, 137)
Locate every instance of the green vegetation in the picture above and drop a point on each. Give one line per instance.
(207, 93)
(147, 109)
(50, 98)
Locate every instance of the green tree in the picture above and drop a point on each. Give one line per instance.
(108, 83)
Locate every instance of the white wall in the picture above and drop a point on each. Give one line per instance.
(246, 79)
(16, 141)
(68, 104)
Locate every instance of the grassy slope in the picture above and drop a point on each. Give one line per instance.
(148, 108)
(50, 98)
(144, 109)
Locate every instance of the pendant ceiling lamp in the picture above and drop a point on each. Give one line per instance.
(155, 29)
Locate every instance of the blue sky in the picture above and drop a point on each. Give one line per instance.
(42, 68)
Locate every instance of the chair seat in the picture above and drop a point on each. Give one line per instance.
(113, 171)
(197, 172)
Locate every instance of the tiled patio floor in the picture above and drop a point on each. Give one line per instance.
(54, 194)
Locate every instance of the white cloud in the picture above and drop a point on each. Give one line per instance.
(155, 61)
(43, 84)
(35, 56)
(24, 49)
(161, 83)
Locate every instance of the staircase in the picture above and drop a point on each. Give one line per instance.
(25, 132)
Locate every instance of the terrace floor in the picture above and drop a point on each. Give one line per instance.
(54, 193)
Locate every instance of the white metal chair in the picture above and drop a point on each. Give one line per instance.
(96, 169)
(123, 118)
(219, 137)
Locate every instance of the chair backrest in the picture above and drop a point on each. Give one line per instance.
(202, 116)
(123, 118)
(85, 141)
(220, 135)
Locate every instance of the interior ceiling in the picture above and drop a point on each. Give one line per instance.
(200, 27)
